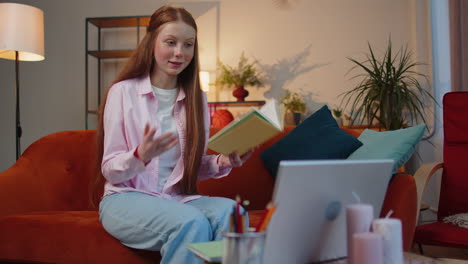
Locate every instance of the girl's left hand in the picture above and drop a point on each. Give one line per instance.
(234, 160)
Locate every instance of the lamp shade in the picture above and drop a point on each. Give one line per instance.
(22, 30)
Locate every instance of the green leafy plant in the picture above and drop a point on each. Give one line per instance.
(389, 91)
(245, 73)
(293, 102)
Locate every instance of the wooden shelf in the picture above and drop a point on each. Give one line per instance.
(213, 105)
(110, 54)
(109, 22)
(94, 28)
(236, 103)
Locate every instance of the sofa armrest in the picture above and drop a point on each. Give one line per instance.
(54, 173)
(401, 198)
(15, 193)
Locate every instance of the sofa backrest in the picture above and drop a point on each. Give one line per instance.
(57, 172)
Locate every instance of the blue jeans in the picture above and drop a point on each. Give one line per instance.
(143, 221)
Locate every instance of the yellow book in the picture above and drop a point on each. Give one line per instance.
(249, 130)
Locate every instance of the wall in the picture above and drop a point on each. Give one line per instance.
(302, 48)
(312, 40)
(52, 91)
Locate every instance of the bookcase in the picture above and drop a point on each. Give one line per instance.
(109, 42)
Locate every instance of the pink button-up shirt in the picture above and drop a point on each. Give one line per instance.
(130, 105)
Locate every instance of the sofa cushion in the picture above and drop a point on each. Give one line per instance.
(64, 237)
(397, 145)
(317, 137)
(69, 237)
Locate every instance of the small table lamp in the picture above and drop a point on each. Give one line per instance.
(21, 39)
(205, 81)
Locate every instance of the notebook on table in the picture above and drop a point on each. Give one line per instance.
(309, 224)
(211, 251)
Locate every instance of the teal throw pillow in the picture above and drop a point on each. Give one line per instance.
(317, 137)
(398, 145)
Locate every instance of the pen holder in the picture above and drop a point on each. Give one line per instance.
(243, 248)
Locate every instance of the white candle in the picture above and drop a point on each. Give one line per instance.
(391, 231)
(358, 220)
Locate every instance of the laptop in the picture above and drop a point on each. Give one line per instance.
(309, 224)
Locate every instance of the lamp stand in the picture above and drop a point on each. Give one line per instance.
(19, 131)
(21, 38)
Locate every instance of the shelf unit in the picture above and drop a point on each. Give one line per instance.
(99, 24)
(99, 54)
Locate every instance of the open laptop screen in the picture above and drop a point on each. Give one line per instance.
(309, 224)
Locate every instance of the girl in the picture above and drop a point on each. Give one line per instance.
(154, 126)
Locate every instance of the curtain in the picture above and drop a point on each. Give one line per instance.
(458, 11)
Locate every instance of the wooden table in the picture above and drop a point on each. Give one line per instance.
(411, 258)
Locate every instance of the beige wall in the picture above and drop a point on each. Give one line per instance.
(303, 48)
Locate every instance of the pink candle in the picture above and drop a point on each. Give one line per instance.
(367, 248)
(358, 220)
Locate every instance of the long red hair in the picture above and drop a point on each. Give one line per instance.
(141, 64)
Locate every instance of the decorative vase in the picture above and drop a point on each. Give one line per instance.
(240, 93)
(297, 118)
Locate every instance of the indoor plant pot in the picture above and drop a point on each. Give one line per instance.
(238, 77)
(294, 103)
(389, 93)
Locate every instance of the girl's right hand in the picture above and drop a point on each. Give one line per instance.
(152, 147)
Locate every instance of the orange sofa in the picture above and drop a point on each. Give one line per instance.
(46, 214)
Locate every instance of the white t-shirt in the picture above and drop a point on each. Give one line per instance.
(168, 159)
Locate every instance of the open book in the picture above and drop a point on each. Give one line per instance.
(249, 130)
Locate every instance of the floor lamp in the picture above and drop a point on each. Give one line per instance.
(21, 39)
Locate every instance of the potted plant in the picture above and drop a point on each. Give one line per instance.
(295, 104)
(238, 77)
(389, 91)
